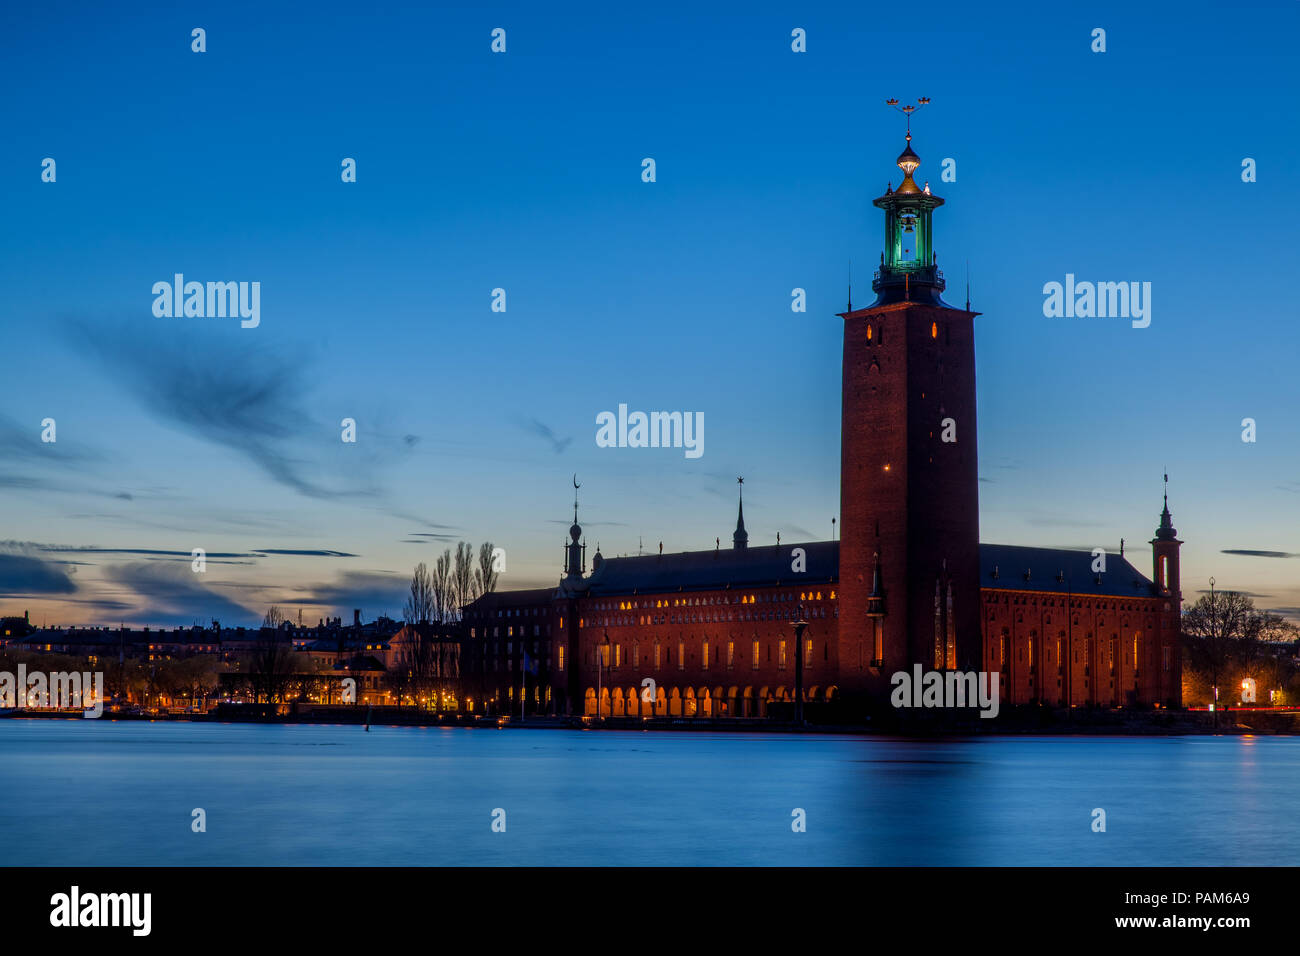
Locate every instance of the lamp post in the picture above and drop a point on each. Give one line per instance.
(799, 625)
(1214, 659)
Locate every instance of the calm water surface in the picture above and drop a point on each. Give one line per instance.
(121, 793)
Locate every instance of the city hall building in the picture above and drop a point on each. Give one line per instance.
(711, 633)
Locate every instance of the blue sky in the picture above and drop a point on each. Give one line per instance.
(523, 171)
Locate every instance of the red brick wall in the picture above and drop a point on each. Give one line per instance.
(905, 493)
(1096, 628)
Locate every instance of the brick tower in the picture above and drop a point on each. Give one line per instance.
(1166, 669)
(909, 492)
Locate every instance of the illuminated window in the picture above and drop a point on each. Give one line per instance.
(780, 659)
(706, 653)
(1164, 572)
(807, 657)
(656, 653)
(561, 657)
(756, 655)
(951, 656)
(618, 655)
(868, 333)
(934, 330)
(681, 655)
(938, 656)
(731, 655)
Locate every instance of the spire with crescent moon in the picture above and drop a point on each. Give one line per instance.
(575, 562)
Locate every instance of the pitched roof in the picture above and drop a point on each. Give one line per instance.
(1056, 570)
(764, 566)
(771, 566)
(494, 599)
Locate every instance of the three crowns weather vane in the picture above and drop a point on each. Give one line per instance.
(908, 110)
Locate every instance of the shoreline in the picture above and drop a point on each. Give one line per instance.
(1013, 724)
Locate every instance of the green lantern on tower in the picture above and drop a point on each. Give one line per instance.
(908, 267)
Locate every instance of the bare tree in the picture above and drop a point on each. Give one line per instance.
(271, 664)
(485, 578)
(419, 607)
(462, 587)
(442, 587)
(1226, 633)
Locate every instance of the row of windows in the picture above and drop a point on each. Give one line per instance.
(611, 654)
(539, 630)
(1110, 650)
(709, 617)
(710, 599)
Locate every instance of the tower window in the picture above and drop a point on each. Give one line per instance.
(934, 330)
(869, 333)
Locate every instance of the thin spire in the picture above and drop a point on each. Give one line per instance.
(740, 538)
(967, 285)
(1166, 531)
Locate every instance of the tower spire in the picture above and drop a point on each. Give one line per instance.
(575, 550)
(1166, 531)
(740, 539)
(908, 259)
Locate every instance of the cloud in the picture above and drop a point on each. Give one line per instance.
(243, 397)
(23, 575)
(543, 430)
(173, 594)
(374, 592)
(1259, 554)
(25, 443)
(94, 549)
(316, 554)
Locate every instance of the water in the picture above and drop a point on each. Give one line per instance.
(110, 793)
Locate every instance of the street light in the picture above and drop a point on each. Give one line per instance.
(799, 624)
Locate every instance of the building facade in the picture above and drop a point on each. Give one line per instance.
(712, 633)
